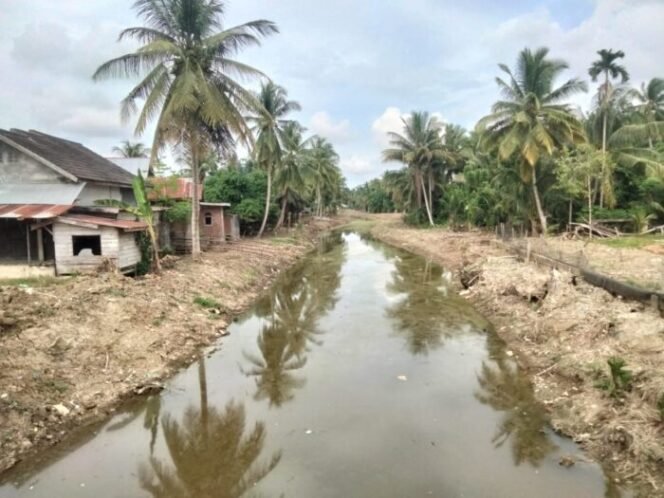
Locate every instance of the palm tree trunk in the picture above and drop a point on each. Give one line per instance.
(282, 215)
(604, 127)
(538, 204)
(426, 201)
(418, 187)
(154, 240)
(590, 207)
(267, 202)
(195, 203)
(571, 207)
(319, 202)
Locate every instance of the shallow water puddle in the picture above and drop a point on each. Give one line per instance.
(357, 375)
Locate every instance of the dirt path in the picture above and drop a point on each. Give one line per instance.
(563, 331)
(71, 351)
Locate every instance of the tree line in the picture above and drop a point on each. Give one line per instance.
(192, 86)
(535, 159)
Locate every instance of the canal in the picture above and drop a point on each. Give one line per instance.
(360, 373)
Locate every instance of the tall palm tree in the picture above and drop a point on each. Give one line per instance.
(289, 177)
(189, 86)
(607, 66)
(268, 126)
(322, 171)
(131, 149)
(532, 122)
(419, 147)
(650, 107)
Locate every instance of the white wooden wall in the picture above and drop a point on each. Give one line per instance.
(129, 254)
(117, 246)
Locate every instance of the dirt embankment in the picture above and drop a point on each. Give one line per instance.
(564, 331)
(71, 351)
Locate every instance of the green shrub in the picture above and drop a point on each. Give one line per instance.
(617, 381)
(178, 212)
(206, 302)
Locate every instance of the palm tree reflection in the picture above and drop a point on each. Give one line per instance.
(210, 453)
(506, 389)
(426, 312)
(292, 311)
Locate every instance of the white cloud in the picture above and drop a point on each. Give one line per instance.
(356, 165)
(336, 131)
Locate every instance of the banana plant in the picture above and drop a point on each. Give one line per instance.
(143, 211)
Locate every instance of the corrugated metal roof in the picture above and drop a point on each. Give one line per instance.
(40, 193)
(32, 211)
(126, 225)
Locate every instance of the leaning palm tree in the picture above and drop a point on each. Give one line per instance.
(607, 66)
(268, 126)
(289, 177)
(532, 122)
(419, 147)
(131, 149)
(189, 86)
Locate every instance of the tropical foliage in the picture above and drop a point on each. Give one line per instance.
(536, 160)
(187, 65)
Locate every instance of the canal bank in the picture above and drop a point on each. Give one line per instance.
(360, 372)
(564, 331)
(74, 349)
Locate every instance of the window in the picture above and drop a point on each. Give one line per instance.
(208, 218)
(86, 245)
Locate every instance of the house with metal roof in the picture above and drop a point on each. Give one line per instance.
(49, 221)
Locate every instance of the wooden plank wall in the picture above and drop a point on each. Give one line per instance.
(67, 263)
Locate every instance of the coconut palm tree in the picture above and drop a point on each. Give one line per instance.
(186, 60)
(268, 126)
(131, 149)
(532, 122)
(607, 66)
(289, 177)
(650, 108)
(419, 147)
(322, 169)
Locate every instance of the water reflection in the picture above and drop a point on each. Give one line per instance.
(426, 311)
(210, 453)
(292, 310)
(505, 389)
(150, 411)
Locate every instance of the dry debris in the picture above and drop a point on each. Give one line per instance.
(73, 351)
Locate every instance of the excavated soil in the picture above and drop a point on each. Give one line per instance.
(563, 331)
(73, 350)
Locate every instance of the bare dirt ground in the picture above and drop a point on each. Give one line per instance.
(563, 331)
(643, 267)
(71, 351)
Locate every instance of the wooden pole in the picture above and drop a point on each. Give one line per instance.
(40, 245)
(27, 241)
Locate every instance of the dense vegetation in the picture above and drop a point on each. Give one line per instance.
(192, 87)
(535, 159)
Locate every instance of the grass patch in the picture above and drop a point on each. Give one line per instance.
(206, 302)
(34, 281)
(631, 241)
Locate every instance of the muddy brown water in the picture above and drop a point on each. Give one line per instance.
(358, 374)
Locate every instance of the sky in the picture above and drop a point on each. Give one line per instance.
(355, 67)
